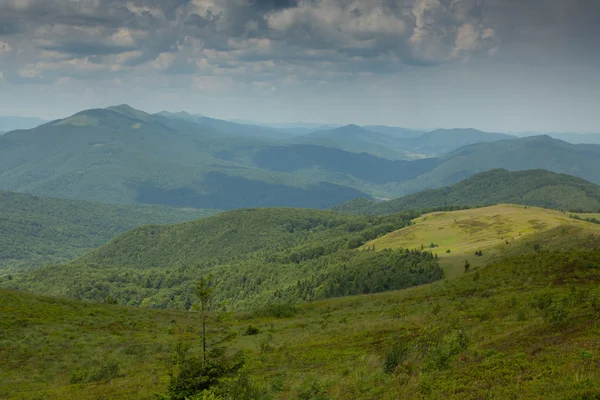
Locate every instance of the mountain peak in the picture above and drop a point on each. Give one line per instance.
(128, 111)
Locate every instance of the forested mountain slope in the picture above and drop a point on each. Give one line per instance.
(539, 188)
(256, 255)
(41, 230)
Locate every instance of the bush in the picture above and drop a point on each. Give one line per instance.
(394, 357)
(554, 311)
(251, 330)
(314, 391)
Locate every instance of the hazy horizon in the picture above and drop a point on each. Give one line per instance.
(495, 65)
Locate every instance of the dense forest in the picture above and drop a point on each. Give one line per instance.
(38, 230)
(256, 256)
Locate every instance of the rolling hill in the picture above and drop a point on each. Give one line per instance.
(455, 236)
(536, 152)
(524, 327)
(442, 141)
(355, 139)
(394, 131)
(40, 230)
(539, 188)
(258, 255)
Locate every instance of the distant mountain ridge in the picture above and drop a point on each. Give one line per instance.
(356, 139)
(123, 155)
(539, 188)
(441, 141)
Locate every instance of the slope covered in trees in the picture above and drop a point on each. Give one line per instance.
(41, 230)
(538, 188)
(257, 256)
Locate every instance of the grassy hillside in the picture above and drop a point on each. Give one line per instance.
(41, 230)
(532, 187)
(524, 327)
(456, 236)
(257, 255)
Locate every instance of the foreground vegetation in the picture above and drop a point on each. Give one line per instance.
(41, 230)
(525, 327)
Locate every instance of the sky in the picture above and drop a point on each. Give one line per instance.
(498, 65)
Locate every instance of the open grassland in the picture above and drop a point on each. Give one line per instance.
(455, 236)
(525, 327)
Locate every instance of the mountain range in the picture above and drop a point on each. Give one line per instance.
(123, 155)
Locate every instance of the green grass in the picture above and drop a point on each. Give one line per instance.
(489, 229)
(524, 327)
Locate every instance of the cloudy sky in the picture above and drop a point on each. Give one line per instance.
(503, 65)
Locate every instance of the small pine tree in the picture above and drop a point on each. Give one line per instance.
(194, 373)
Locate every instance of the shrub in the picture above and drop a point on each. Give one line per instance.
(314, 391)
(251, 330)
(394, 357)
(558, 312)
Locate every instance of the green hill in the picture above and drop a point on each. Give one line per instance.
(41, 230)
(442, 141)
(538, 188)
(523, 327)
(536, 152)
(123, 155)
(458, 236)
(258, 256)
(355, 139)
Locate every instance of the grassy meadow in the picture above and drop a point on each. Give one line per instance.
(525, 326)
(456, 236)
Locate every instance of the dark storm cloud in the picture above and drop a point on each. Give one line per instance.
(271, 38)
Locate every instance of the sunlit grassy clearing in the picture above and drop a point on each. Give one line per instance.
(466, 231)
